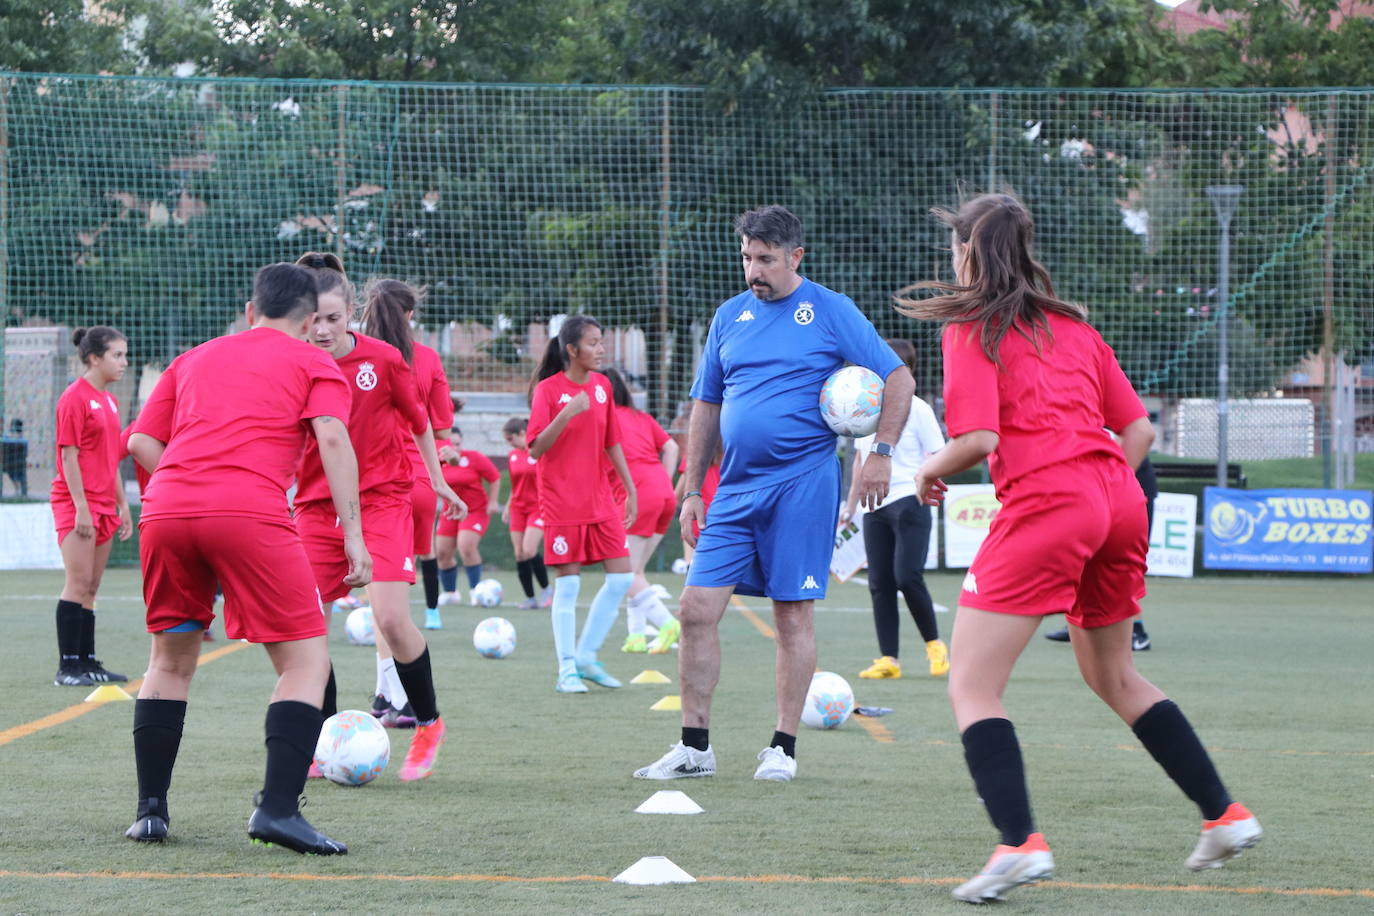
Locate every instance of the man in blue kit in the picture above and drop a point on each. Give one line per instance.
(772, 526)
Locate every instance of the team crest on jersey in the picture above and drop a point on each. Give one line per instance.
(366, 377)
(805, 313)
(463, 462)
(600, 395)
(564, 398)
(560, 545)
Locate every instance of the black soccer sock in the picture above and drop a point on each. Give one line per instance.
(787, 742)
(429, 575)
(331, 696)
(157, 737)
(526, 576)
(696, 738)
(474, 574)
(1171, 741)
(293, 730)
(994, 760)
(418, 680)
(87, 633)
(541, 572)
(68, 633)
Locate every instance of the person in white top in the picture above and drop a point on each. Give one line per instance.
(897, 537)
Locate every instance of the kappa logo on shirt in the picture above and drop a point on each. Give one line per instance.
(745, 315)
(600, 395)
(95, 405)
(560, 545)
(564, 398)
(805, 313)
(408, 565)
(366, 377)
(970, 583)
(809, 583)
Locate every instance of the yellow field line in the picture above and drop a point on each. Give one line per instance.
(80, 709)
(753, 618)
(1360, 892)
(876, 730)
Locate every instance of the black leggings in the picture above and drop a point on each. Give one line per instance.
(896, 538)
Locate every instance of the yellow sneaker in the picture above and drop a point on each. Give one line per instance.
(885, 667)
(939, 657)
(635, 643)
(667, 635)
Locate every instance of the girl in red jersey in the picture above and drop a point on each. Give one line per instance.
(385, 410)
(573, 432)
(521, 516)
(477, 482)
(88, 502)
(651, 456)
(1030, 386)
(390, 316)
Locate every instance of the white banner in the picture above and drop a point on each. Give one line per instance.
(969, 510)
(849, 556)
(1173, 539)
(28, 539)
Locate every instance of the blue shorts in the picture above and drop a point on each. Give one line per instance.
(775, 542)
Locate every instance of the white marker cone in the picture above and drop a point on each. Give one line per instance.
(669, 801)
(654, 870)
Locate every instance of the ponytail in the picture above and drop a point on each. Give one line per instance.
(555, 358)
(388, 303)
(329, 275)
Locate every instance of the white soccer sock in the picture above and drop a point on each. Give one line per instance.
(634, 613)
(564, 617)
(657, 611)
(600, 619)
(391, 683)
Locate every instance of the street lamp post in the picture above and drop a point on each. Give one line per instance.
(1225, 198)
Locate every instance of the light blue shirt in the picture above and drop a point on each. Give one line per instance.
(765, 363)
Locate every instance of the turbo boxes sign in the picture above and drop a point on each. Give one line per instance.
(1289, 530)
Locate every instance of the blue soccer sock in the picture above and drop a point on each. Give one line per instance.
(448, 578)
(474, 574)
(605, 610)
(564, 614)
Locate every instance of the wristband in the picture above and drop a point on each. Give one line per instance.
(690, 493)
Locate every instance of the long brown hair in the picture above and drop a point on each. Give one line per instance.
(555, 357)
(329, 275)
(388, 302)
(1008, 288)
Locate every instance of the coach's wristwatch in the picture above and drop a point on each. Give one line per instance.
(881, 449)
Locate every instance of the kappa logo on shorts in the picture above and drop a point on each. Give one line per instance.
(600, 395)
(366, 377)
(560, 545)
(805, 313)
(476, 526)
(970, 583)
(745, 315)
(408, 565)
(538, 523)
(809, 583)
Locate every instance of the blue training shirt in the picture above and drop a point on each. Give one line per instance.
(765, 363)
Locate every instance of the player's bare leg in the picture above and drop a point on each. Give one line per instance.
(1105, 661)
(987, 646)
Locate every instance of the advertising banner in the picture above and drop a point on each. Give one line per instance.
(1288, 530)
(849, 556)
(27, 537)
(1172, 540)
(969, 510)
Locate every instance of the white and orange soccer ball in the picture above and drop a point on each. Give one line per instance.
(829, 701)
(353, 748)
(851, 400)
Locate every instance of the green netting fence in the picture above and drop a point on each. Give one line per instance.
(148, 203)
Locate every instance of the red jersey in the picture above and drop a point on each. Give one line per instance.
(88, 418)
(524, 488)
(386, 410)
(467, 475)
(1047, 407)
(642, 440)
(432, 386)
(573, 489)
(233, 413)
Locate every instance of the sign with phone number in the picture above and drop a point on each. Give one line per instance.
(1289, 530)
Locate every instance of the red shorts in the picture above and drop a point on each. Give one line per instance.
(64, 519)
(388, 533)
(1070, 539)
(423, 509)
(269, 590)
(655, 515)
(473, 521)
(523, 517)
(591, 543)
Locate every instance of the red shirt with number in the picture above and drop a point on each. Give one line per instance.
(573, 489)
(234, 413)
(88, 418)
(386, 411)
